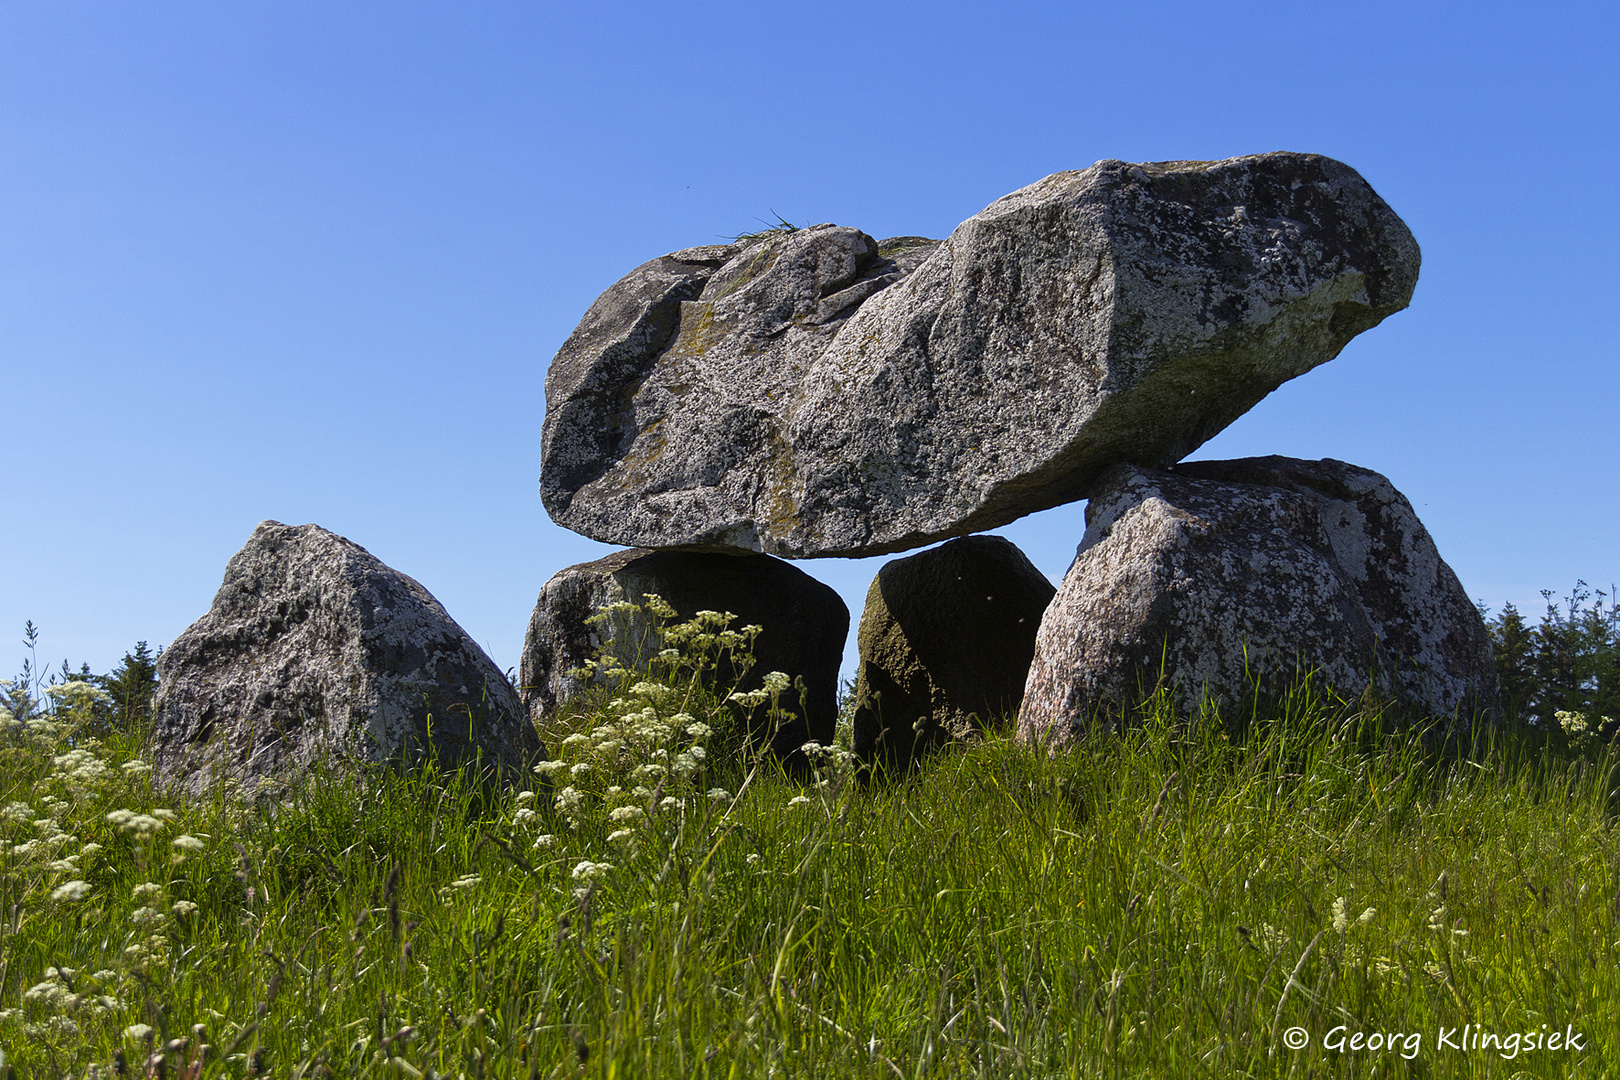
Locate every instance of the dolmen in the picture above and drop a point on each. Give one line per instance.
(817, 392)
(315, 652)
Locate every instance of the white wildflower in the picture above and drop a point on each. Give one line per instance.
(17, 811)
(651, 691)
(145, 916)
(80, 767)
(523, 797)
(626, 813)
(140, 824)
(73, 890)
(188, 843)
(589, 871)
(798, 800)
(620, 834)
(580, 769)
(547, 840)
(657, 605)
(547, 768)
(718, 794)
(137, 768)
(776, 682)
(466, 881)
(522, 814)
(77, 694)
(137, 1032)
(146, 891)
(183, 907)
(52, 994)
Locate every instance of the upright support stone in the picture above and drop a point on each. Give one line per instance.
(1216, 574)
(945, 644)
(805, 624)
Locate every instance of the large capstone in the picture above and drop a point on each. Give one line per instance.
(1224, 578)
(316, 651)
(818, 392)
(804, 626)
(945, 646)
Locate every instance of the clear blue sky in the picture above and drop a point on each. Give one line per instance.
(309, 261)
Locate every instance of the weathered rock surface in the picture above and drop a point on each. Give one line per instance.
(314, 649)
(805, 624)
(1220, 569)
(946, 639)
(817, 392)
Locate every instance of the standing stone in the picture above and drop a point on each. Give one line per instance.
(805, 624)
(817, 392)
(314, 650)
(945, 646)
(1219, 572)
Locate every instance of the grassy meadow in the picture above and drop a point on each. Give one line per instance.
(1301, 891)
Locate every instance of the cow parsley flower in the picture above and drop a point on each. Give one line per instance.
(73, 890)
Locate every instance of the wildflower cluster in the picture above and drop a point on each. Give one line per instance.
(75, 824)
(1586, 736)
(668, 706)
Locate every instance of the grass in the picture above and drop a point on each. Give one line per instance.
(1168, 900)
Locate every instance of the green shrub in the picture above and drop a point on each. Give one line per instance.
(1563, 673)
